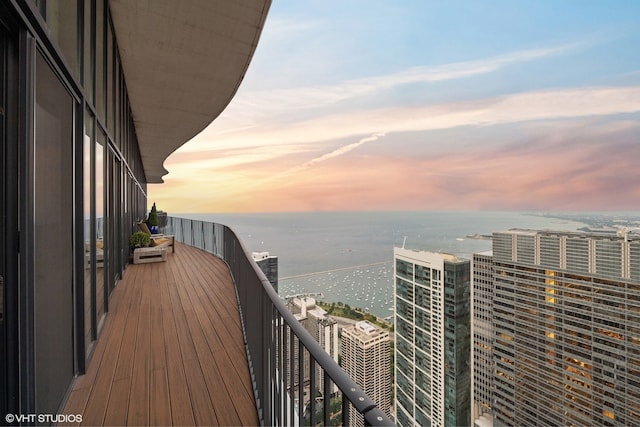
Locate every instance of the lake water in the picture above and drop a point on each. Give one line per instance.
(348, 256)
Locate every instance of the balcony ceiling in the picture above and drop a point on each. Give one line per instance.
(183, 62)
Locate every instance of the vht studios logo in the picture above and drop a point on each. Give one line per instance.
(43, 418)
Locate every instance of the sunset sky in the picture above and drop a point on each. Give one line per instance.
(425, 105)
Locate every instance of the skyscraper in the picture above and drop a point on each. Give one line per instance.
(482, 338)
(432, 383)
(366, 356)
(566, 317)
(269, 266)
(321, 327)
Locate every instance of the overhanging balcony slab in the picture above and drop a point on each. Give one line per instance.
(183, 62)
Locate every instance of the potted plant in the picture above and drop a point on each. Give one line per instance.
(152, 221)
(139, 239)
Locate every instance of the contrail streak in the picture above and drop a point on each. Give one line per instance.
(335, 153)
(342, 150)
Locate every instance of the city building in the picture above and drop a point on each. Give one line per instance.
(94, 95)
(269, 266)
(566, 319)
(432, 347)
(322, 328)
(482, 337)
(366, 356)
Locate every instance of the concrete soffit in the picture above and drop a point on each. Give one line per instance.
(183, 62)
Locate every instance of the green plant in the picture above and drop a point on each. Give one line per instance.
(153, 219)
(139, 239)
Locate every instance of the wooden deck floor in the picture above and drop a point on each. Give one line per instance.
(171, 351)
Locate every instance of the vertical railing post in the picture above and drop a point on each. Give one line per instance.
(292, 351)
(327, 400)
(265, 337)
(301, 377)
(281, 371)
(285, 356)
(345, 410)
(312, 389)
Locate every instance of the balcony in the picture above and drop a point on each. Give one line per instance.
(204, 339)
(171, 350)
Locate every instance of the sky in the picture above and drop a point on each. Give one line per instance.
(425, 105)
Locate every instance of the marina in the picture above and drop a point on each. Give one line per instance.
(368, 287)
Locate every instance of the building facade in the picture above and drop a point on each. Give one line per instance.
(432, 376)
(366, 357)
(567, 328)
(322, 328)
(269, 266)
(482, 338)
(90, 107)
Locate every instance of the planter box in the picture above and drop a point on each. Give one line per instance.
(145, 255)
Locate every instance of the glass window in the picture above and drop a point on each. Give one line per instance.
(101, 225)
(118, 137)
(404, 269)
(53, 237)
(62, 21)
(423, 275)
(404, 289)
(89, 241)
(100, 60)
(111, 107)
(89, 51)
(423, 297)
(113, 219)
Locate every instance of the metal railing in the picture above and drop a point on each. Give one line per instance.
(295, 381)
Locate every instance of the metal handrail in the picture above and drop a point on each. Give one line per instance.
(273, 338)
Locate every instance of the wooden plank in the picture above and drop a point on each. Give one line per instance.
(205, 340)
(159, 403)
(181, 411)
(221, 396)
(229, 332)
(171, 351)
(76, 404)
(109, 347)
(138, 413)
(211, 290)
(201, 401)
(220, 336)
(241, 398)
(118, 403)
(204, 357)
(186, 347)
(124, 368)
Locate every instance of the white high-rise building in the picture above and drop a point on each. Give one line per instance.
(366, 357)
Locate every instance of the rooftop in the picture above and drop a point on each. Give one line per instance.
(366, 332)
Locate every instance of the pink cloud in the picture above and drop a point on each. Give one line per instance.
(555, 165)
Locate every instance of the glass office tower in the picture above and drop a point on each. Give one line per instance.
(432, 376)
